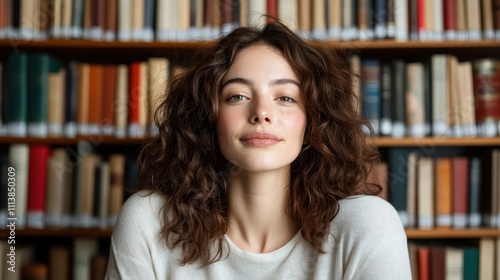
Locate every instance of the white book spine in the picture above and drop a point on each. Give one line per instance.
(401, 20)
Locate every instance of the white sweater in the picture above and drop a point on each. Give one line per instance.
(367, 241)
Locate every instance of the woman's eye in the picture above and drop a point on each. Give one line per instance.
(236, 98)
(286, 99)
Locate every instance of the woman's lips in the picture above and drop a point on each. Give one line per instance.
(260, 139)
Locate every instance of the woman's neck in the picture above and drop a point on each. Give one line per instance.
(258, 221)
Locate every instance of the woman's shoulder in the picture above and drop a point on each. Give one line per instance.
(363, 213)
(142, 207)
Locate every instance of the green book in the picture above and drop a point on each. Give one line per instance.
(471, 263)
(38, 79)
(16, 94)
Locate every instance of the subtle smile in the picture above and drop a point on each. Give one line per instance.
(260, 139)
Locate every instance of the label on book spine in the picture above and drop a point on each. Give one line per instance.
(36, 219)
(474, 220)
(459, 220)
(443, 220)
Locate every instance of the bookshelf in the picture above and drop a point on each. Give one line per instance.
(178, 51)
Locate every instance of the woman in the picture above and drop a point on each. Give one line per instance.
(259, 172)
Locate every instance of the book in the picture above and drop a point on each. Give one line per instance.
(108, 97)
(440, 89)
(16, 95)
(475, 192)
(158, 80)
(444, 191)
(398, 98)
(486, 81)
(486, 258)
(415, 100)
(454, 257)
(59, 262)
(371, 92)
(83, 250)
(398, 180)
(425, 193)
(19, 159)
(319, 23)
(56, 169)
(117, 186)
(334, 19)
(55, 99)
(37, 185)
(124, 27)
(460, 173)
(95, 98)
(121, 102)
(471, 263)
(71, 96)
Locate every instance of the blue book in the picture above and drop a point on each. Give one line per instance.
(371, 93)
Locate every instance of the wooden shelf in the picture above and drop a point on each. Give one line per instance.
(67, 232)
(94, 140)
(435, 141)
(452, 233)
(411, 233)
(363, 45)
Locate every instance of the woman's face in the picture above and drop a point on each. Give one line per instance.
(262, 117)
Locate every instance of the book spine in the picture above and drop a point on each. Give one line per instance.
(37, 185)
(486, 81)
(450, 19)
(38, 72)
(71, 100)
(370, 82)
(398, 98)
(460, 171)
(16, 95)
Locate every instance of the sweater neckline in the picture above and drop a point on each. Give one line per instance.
(264, 257)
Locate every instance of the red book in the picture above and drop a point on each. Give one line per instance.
(37, 185)
(421, 15)
(460, 193)
(486, 81)
(423, 259)
(450, 17)
(108, 98)
(272, 10)
(134, 92)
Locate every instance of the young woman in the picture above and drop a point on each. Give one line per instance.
(259, 172)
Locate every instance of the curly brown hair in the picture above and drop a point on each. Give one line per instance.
(184, 162)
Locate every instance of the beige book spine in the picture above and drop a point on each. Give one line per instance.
(244, 13)
(473, 17)
(56, 166)
(125, 19)
(425, 190)
(55, 110)
(158, 76)
(121, 109)
(304, 17)
(66, 17)
(288, 13)
(335, 19)
(116, 188)
(26, 22)
(56, 22)
(461, 20)
(183, 20)
(86, 191)
(319, 19)
(486, 259)
(467, 101)
(137, 20)
(487, 21)
(83, 98)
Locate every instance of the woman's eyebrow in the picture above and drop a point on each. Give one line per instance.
(250, 83)
(237, 81)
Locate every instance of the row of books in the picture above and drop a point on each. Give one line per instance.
(44, 97)
(169, 20)
(65, 187)
(456, 261)
(443, 191)
(83, 259)
(438, 96)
